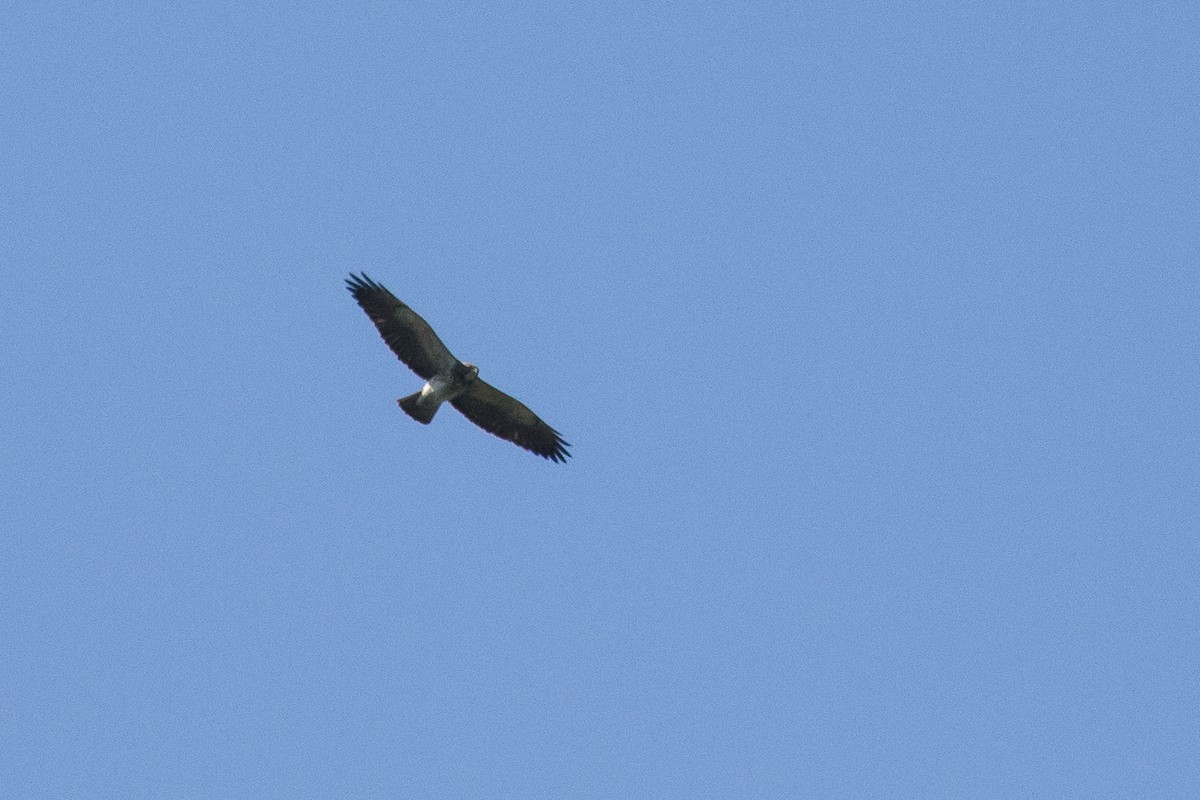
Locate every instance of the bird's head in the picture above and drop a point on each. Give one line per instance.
(472, 371)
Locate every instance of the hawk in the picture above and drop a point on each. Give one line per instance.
(448, 379)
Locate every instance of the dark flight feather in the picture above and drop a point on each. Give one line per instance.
(509, 418)
(410, 337)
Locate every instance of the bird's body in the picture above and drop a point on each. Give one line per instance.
(449, 380)
(422, 405)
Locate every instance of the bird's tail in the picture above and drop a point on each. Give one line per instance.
(421, 412)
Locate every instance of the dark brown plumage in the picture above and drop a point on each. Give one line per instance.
(447, 379)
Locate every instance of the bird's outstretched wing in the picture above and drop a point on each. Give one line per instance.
(509, 418)
(410, 337)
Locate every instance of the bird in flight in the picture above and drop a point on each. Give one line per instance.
(448, 379)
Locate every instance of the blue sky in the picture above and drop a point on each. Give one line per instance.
(874, 328)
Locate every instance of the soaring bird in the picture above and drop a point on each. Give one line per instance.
(448, 379)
